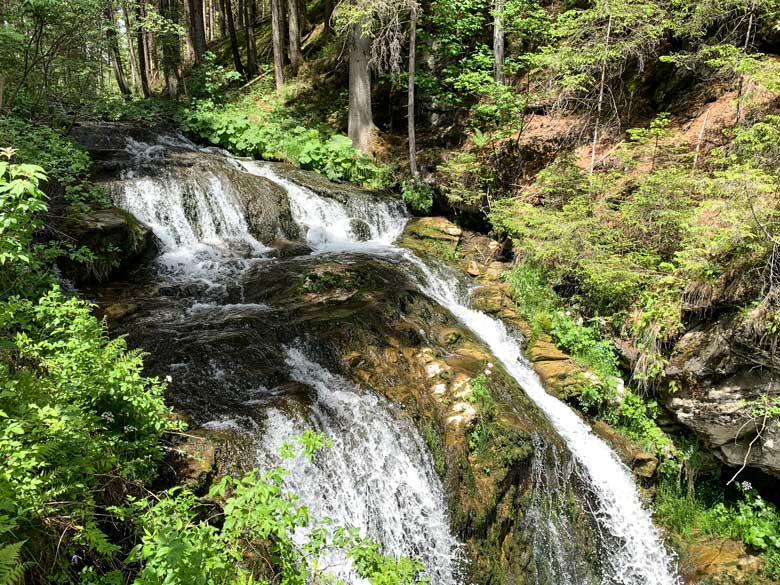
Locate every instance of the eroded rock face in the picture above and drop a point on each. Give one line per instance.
(117, 239)
(715, 387)
(365, 319)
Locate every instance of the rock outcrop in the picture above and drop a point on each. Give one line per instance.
(717, 387)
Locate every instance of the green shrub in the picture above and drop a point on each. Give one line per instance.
(65, 162)
(247, 130)
(418, 196)
(251, 536)
(76, 417)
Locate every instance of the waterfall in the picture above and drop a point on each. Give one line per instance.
(377, 476)
(361, 224)
(197, 218)
(634, 553)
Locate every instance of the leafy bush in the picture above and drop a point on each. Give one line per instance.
(65, 162)
(272, 135)
(254, 535)
(418, 196)
(76, 416)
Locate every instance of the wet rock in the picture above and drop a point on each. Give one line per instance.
(714, 384)
(434, 228)
(118, 311)
(473, 269)
(719, 561)
(115, 237)
(197, 462)
(642, 463)
(288, 249)
(360, 229)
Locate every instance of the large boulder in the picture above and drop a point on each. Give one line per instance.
(116, 239)
(716, 385)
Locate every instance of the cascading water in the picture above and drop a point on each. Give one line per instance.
(198, 219)
(377, 476)
(634, 553)
(362, 224)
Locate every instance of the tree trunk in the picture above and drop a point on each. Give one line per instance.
(742, 75)
(142, 67)
(360, 119)
(222, 20)
(410, 104)
(498, 42)
(251, 49)
(241, 10)
(278, 42)
(116, 57)
(233, 39)
(198, 29)
(294, 27)
(171, 49)
(130, 48)
(600, 105)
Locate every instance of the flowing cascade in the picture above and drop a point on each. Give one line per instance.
(634, 550)
(377, 476)
(197, 217)
(360, 224)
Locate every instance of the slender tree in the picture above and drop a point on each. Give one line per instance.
(141, 48)
(498, 42)
(130, 48)
(600, 103)
(197, 28)
(113, 48)
(222, 20)
(410, 103)
(330, 5)
(360, 120)
(277, 26)
(251, 48)
(294, 28)
(233, 38)
(171, 48)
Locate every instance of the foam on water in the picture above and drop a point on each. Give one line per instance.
(377, 476)
(362, 224)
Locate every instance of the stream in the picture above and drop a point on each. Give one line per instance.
(217, 312)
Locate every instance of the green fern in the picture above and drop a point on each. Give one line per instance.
(11, 567)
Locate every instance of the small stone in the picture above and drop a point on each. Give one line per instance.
(473, 269)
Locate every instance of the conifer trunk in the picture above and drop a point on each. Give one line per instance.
(251, 48)
(116, 57)
(410, 103)
(277, 25)
(294, 29)
(198, 29)
(360, 117)
(498, 42)
(233, 38)
(600, 105)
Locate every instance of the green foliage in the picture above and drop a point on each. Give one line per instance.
(75, 415)
(483, 428)
(210, 80)
(273, 135)
(249, 538)
(66, 163)
(418, 196)
(600, 393)
(11, 566)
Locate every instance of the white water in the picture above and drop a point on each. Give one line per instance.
(634, 552)
(377, 476)
(331, 225)
(392, 493)
(197, 217)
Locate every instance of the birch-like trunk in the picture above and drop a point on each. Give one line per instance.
(498, 42)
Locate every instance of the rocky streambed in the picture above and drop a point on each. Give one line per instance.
(279, 302)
